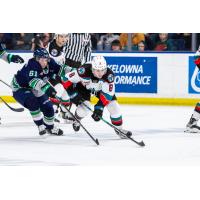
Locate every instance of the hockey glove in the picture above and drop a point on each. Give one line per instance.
(77, 99)
(55, 79)
(97, 114)
(15, 59)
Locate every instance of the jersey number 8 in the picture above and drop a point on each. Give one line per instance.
(110, 87)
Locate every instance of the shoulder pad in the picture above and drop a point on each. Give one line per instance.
(81, 70)
(84, 70)
(109, 76)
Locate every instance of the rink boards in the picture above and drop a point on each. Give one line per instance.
(142, 101)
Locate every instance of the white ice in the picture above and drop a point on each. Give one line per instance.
(160, 127)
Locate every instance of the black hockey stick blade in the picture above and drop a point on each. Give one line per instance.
(142, 144)
(94, 139)
(97, 141)
(129, 137)
(13, 109)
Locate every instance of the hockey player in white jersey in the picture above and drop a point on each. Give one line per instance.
(56, 48)
(94, 79)
(192, 126)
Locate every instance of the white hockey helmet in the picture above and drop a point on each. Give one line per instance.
(63, 34)
(99, 63)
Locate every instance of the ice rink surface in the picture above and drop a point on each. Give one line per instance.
(160, 127)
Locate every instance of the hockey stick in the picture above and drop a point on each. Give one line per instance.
(13, 109)
(5, 83)
(95, 140)
(139, 143)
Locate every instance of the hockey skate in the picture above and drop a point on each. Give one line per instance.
(42, 129)
(124, 135)
(192, 127)
(76, 126)
(68, 119)
(55, 131)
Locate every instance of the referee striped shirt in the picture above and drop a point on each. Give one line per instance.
(79, 47)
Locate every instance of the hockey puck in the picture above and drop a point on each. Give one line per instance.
(129, 134)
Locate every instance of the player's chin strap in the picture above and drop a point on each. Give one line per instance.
(117, 129)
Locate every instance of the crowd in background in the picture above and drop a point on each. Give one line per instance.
(106, 41)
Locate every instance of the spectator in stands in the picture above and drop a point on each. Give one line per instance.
(115, 45)
(22, 41)
(136, 38)
(153, 41)
(105, 41)
(46, 38)
(188, 39)
(6, 39)
(94, 41)
(37, 42)
(40, 41)
(141, 46)
(178, 40)
(149, 45)
(164, 43)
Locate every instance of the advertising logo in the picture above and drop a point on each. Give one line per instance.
(194, 77)
(134, 74)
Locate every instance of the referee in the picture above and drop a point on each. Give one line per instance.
(78, 49)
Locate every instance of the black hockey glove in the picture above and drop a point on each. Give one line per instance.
(78, 99)
(55, 79)
(15, 59)
(97, 114)
(51, 92)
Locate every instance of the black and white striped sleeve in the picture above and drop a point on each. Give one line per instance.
(88, 51)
